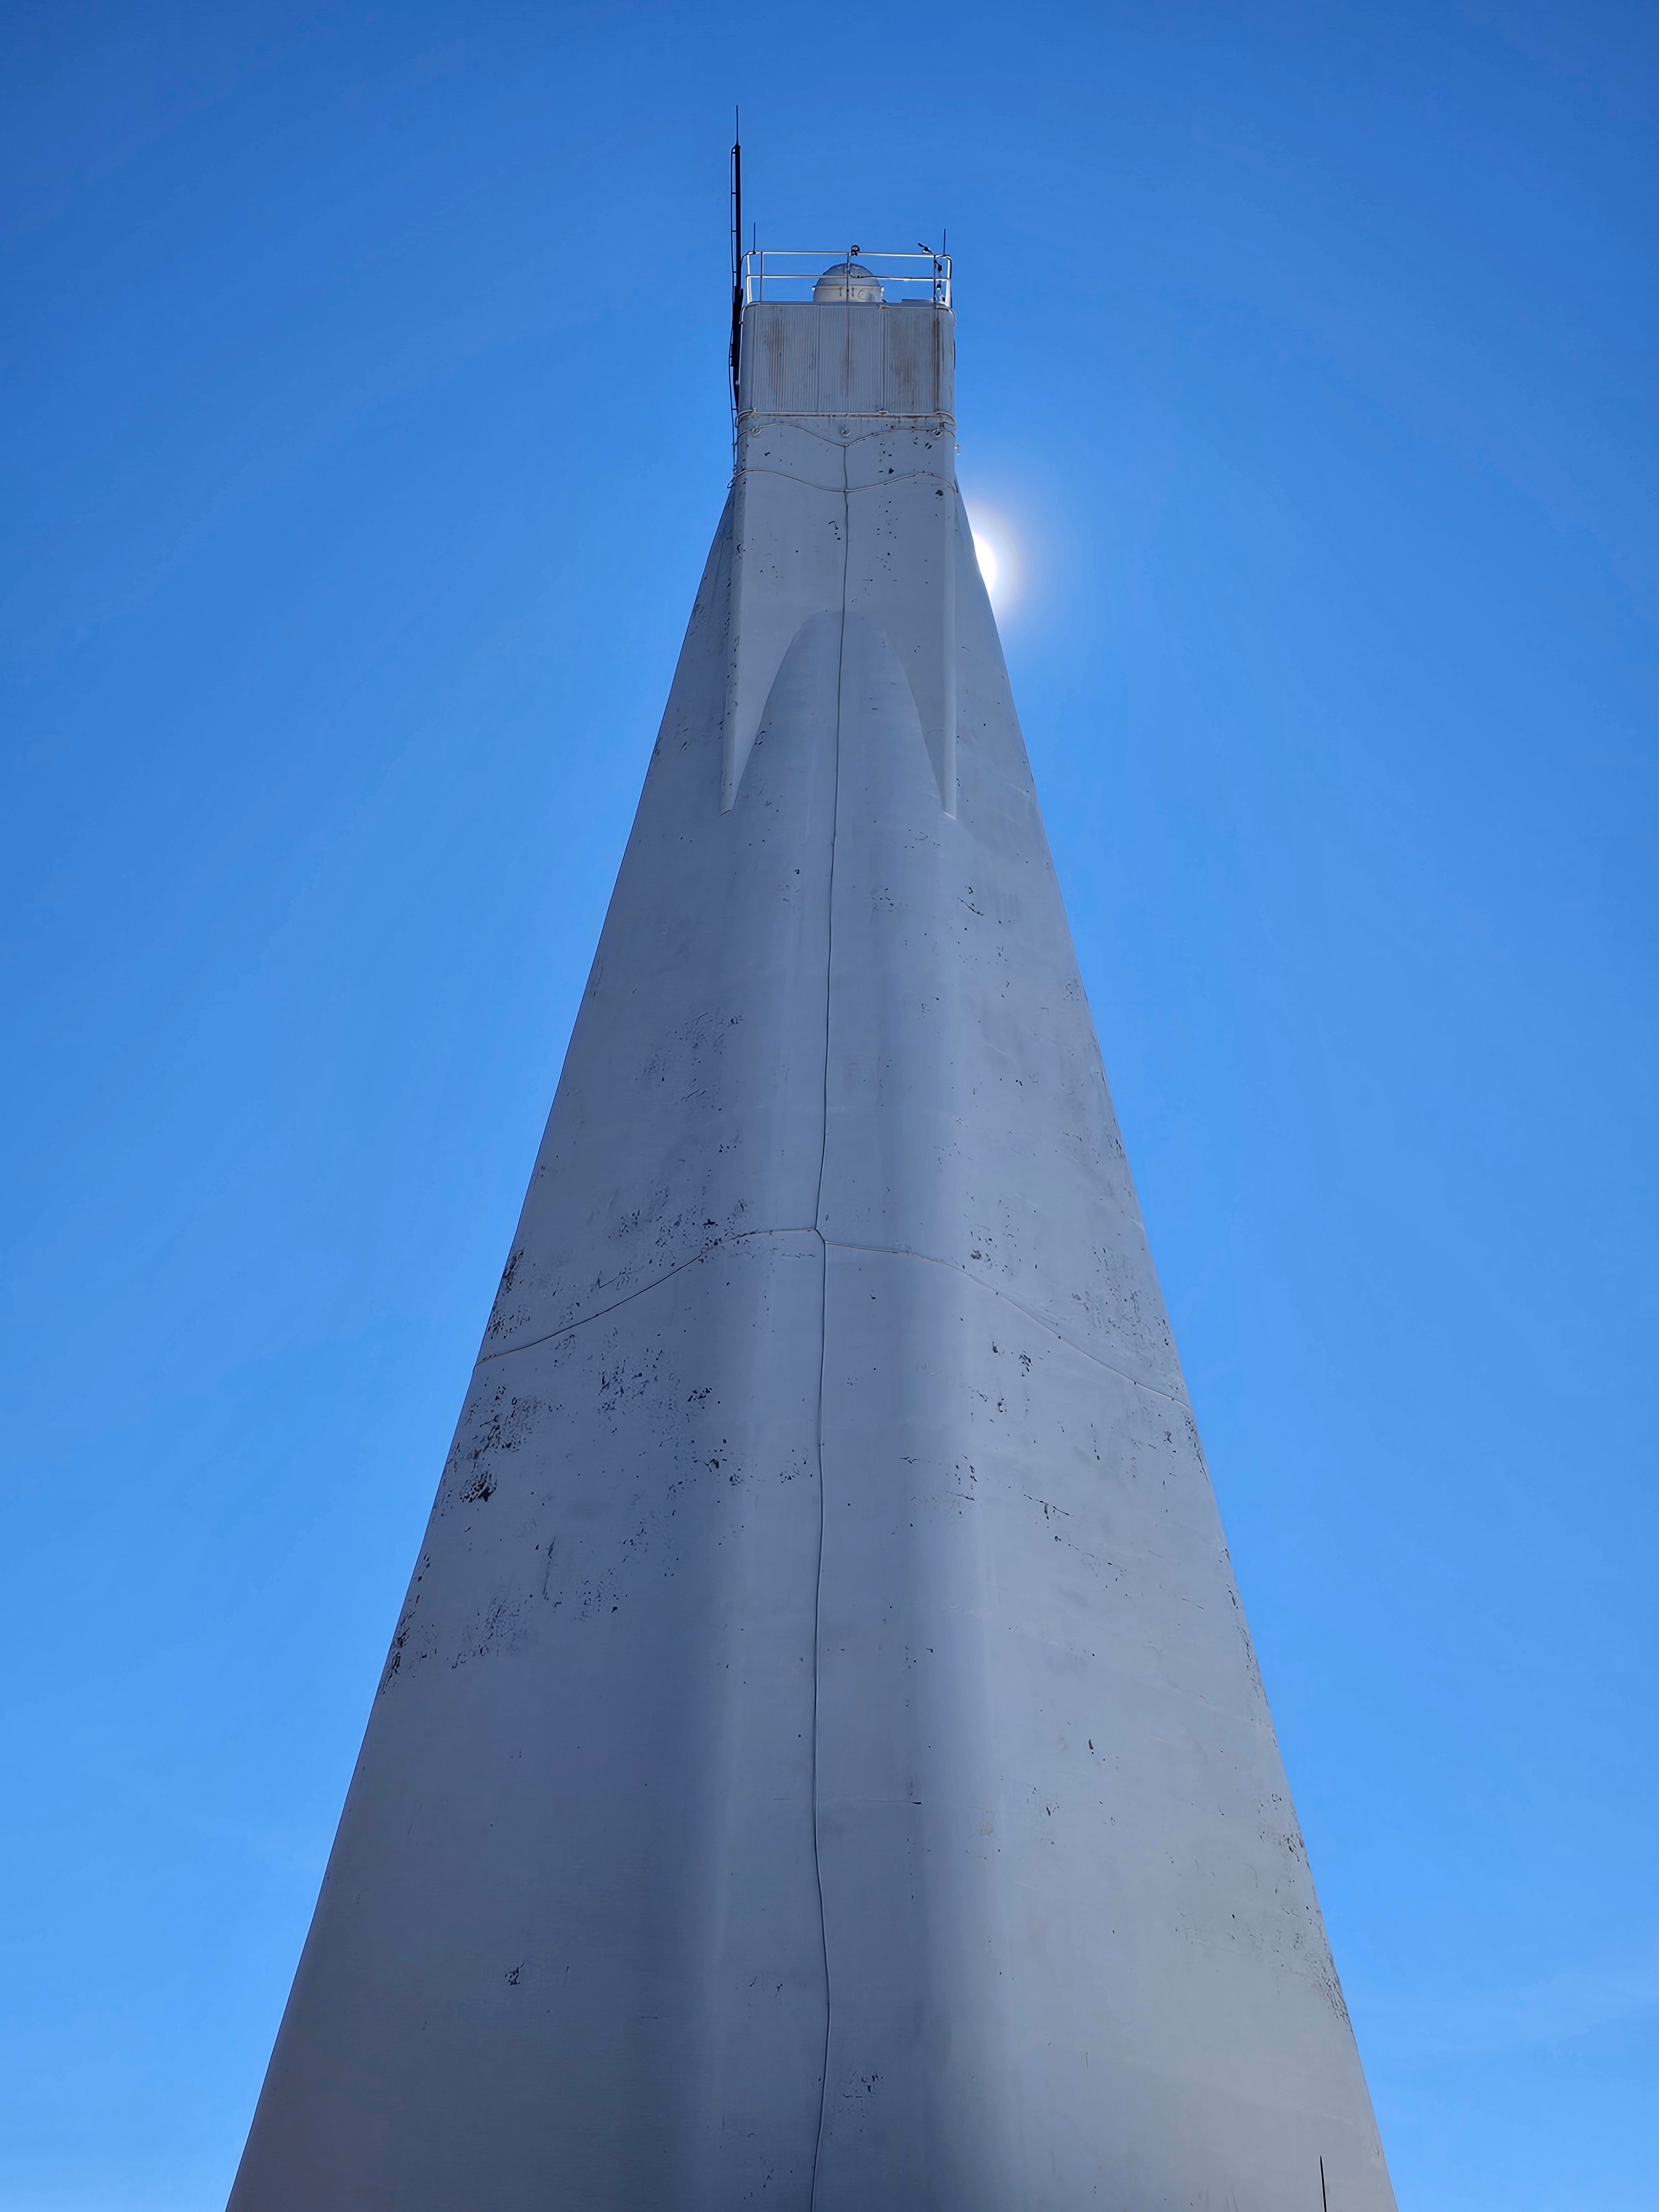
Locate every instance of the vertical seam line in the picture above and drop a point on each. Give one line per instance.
(823, 1319)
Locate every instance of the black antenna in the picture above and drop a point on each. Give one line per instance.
(737, 257)
(1325, 2201)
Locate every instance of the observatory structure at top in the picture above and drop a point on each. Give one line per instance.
(821, 1762)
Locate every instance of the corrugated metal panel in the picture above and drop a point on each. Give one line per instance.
(913, 360)
(860, 350)
(846, 359)
(780, 361)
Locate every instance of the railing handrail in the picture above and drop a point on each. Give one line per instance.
(760, 269)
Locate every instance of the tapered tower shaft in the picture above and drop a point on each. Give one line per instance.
(821, 1761)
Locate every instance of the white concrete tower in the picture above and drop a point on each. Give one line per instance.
(821, 1762)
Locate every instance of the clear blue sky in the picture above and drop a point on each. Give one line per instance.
(366, 426)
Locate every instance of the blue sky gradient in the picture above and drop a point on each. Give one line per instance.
(366, 426)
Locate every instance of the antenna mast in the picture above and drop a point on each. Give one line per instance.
(737, 257)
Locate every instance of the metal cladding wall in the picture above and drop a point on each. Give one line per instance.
(821, 1761)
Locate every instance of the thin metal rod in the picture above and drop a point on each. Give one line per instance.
(738, 287)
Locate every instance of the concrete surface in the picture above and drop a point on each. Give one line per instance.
(821, 1761)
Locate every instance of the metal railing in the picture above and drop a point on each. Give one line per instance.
(768, 274)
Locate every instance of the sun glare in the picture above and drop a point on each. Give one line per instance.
(1001, 556)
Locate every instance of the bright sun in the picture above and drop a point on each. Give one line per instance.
(986, 554)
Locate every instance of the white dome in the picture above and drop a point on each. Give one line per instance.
(848, 280)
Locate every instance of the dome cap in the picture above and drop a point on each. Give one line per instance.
(848, 280)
